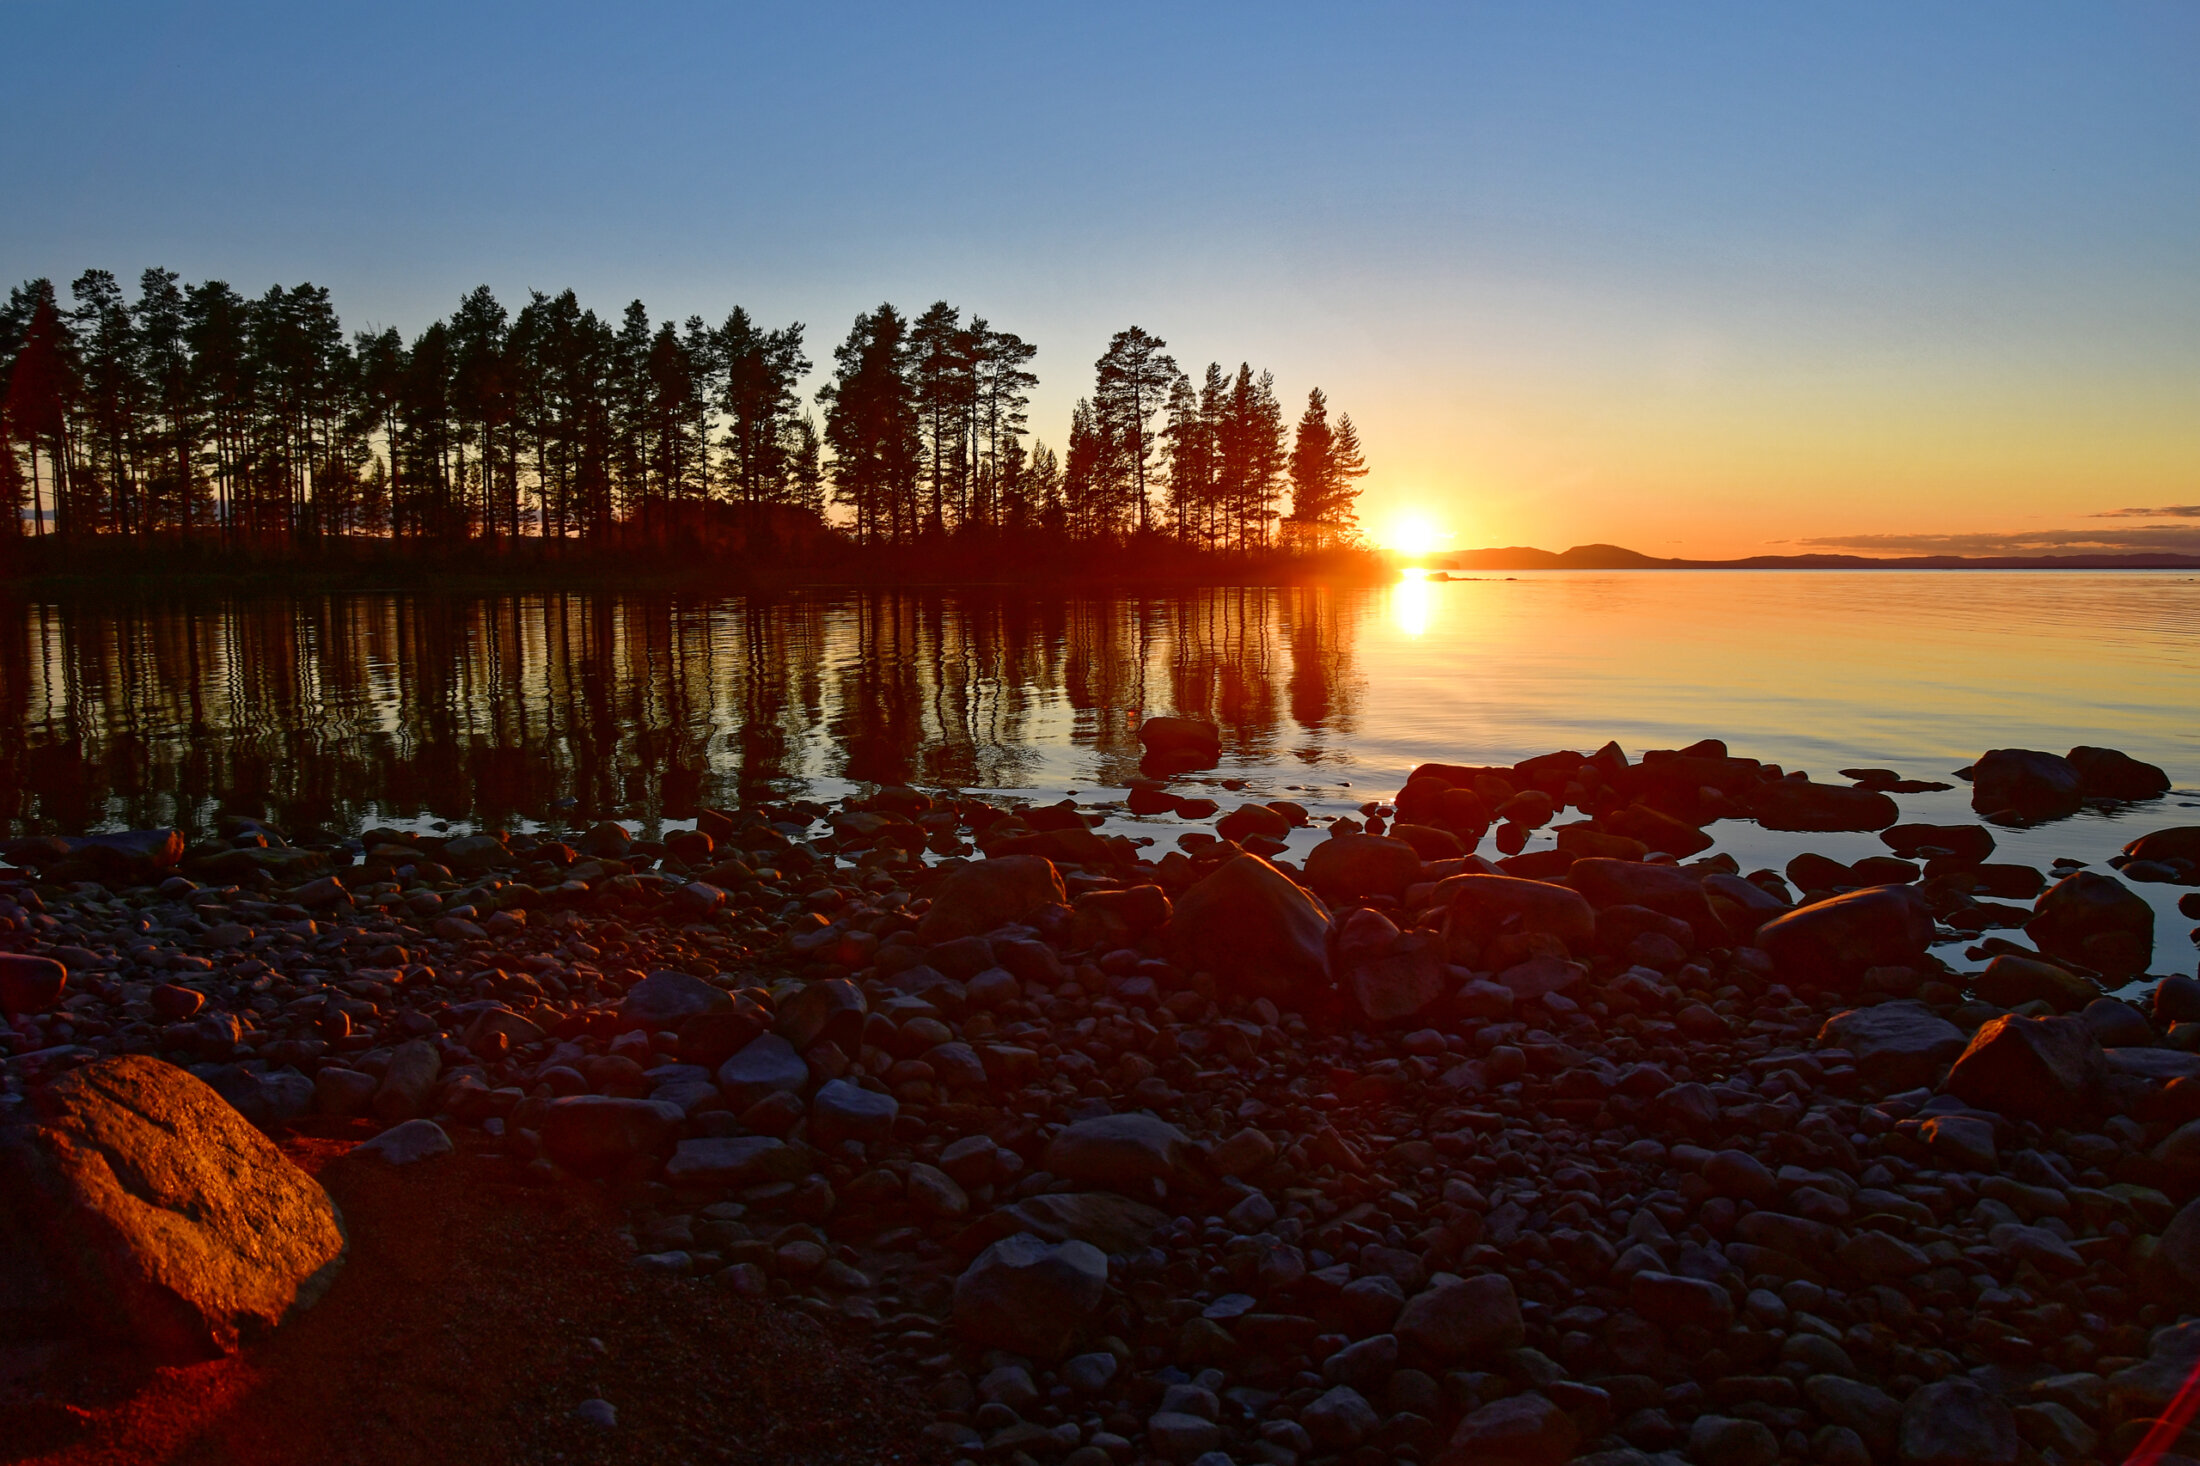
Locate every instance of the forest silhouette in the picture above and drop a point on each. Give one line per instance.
(195, 414)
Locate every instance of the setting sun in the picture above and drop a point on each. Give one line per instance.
(1413, 534)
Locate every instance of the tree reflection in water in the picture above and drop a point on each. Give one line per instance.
(333, 711)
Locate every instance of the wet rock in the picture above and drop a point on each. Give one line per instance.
(2026, 784)
(401, 1145)
(1353, 867)
(1955, 1422)
(2117, 1024)
(1832, 943)
(1797, 804)
(1257, 931)
(1179, 738)
(2106, 773)
(30, 984)
(1030, 1296)
(1897, 1046)
(1122, 1152)
(768, 1065)
(2176, 1000)
(1460, 1318)
(1965, 844)
(986, 894)
(2047, 1070)
(1520, 1430)
(2010, 980)
(595, 1132)
(662, 999)
(2097, 920)
(156, 1216)
(2179, 842)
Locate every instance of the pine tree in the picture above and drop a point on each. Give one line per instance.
(1134, 377)
(872, 428)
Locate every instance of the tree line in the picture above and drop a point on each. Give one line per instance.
(194, 409)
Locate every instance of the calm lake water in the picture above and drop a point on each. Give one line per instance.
(343, 710)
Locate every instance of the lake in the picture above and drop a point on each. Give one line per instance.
(344, 710)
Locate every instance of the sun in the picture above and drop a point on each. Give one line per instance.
(1413, 533)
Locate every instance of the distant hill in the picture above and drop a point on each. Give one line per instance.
(1616, 557)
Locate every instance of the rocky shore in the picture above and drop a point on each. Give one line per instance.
(1611, 1151)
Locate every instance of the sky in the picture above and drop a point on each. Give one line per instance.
(1703, 279)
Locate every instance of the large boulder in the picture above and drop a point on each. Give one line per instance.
(1966, 844)
(2025, 785)
(1519, 1430)
(2108, 773)
(1666, 889)
(1897, 1046)
(2047, 1070)
(1257, 931)
(1353, 867)
(1479, 908)
(2097, 920)
(843, 1110)
(139, 1206)
(767, 1065)
(2010, 981)
(1460, 1318)
(1030, 1296)
(662, 999)
(1832, 943)
(986, 894)
(1174, 736)
(1798, 804)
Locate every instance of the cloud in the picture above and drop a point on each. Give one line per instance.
(2170, 511)
(2138, 540)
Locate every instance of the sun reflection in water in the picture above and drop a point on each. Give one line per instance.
(1413, 601)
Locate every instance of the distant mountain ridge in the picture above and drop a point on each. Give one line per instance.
(1617, 557)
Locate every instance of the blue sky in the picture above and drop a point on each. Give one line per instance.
(1714, 278)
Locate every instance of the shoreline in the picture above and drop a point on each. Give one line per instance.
(1603, 1150)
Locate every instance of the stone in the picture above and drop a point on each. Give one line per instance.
(2026, 784)
(1798, 804)
(1965, 1142)
(1340, 1418)
(2097, 920)
(1667, 1299)
(1871, 1412)
(1539, 977)
(401, 1145)
(1723, 1440)
(2178, 842)
(598, 1132)
(1114, 1224)
(2009, 981)
(1089, 1374)
(1353, 867)
(2179, 1249)
(1391, 976)
(1174, 738)
(1832, 943)
(1257, 931)
(30, 984)
(1897, 1046)
(1881, 1257)
(1254, 819)
(1242, 1154)
(1178, 1437)
(1965, 844)
(409, 1082)
(1740, 1175)
(2119, 1027)
(2147, 1388)
(733, 1160)
(831, 1012)
(1127, 1153)
(342, 1092)
(662, 999)
(767, 1065)
(2107, 773)
(1458, 1318)
(1520, 1430)
(1956, 1422)
(141, 1208)
(1030, 1296)
(2047, 1070)
(843, 1110)
(1478, 908)
(986, 894)
(2176, 1000)
(934, 1193)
